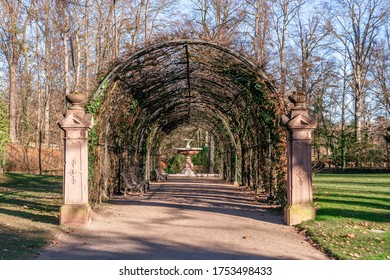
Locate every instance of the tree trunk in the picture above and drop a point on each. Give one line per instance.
(66, 66)
(12, 101)
(358, 117)
(343, 161)
(86, 49)
(39, 109)
(77, 62)
(116, 42)
(146, 21)
(46, 135)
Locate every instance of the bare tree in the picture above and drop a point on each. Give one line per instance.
(63, 25)
(13, 24)
(258, 18)
(48, 75)
(343, 104)
(283, 12)
(135, 26)
(356, 25)
(310, 42)
(87, 48)
(147, 19)
(218, 20)
(381, 72)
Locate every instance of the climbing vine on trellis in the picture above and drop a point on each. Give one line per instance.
(179, 83)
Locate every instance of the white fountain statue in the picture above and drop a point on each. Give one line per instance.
(188, 152)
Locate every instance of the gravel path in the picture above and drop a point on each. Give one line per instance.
(184, 220)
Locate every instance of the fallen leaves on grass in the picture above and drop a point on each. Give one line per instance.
(354, 255)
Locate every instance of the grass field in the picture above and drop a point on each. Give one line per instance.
(29, 208)
(353, 215)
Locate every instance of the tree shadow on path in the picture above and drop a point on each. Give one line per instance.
(185, 220)
(205, 196)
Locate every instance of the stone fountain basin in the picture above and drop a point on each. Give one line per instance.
(188, 151)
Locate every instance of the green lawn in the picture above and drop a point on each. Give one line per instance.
(29, 208)
(353, 215)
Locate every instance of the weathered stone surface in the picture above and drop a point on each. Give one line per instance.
(76, 215)
(297, 213)
(75, 124)
(299, 125)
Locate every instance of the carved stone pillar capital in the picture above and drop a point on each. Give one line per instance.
(299, 118)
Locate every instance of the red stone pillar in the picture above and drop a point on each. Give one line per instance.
(75, 123)
(299, 125)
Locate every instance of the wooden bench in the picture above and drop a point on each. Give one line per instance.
(133, 184)
(161, 175)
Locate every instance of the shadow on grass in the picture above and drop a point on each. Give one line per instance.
(33, 183)
(355, 214)
(32, 205)
(43, 218)
(31, 197)
(345, 189)
(360, 197)
(341, 200)
(22, 244)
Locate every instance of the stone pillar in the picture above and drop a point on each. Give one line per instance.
(299, 125)
(236, 183)
(211, 154)
(75, 123)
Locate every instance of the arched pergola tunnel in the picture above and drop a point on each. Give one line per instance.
(189, 83)
(183, 83)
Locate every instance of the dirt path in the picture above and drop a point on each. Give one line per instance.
(184, 220)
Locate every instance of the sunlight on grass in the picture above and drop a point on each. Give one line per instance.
(29, 207)
(353, 215)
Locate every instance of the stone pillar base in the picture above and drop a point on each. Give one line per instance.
(297, 213)
(76, 215)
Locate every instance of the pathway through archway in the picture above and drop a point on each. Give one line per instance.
(198, 219)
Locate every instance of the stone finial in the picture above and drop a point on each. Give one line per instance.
(298, 99)
(299, 109)
(77, 100)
